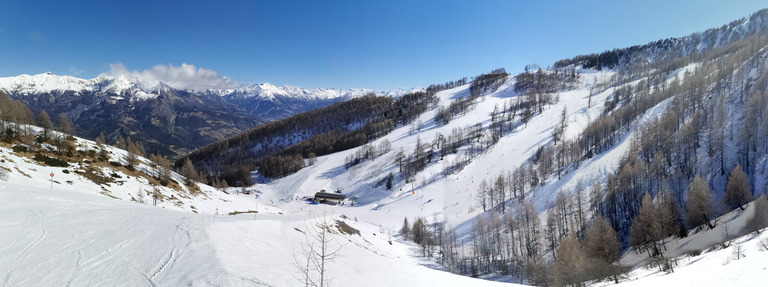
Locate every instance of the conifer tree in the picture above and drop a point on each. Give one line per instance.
(405, 231)
(188, 172)
(759, 218)
(44, 121)
(569, 267)
(646, 229)
(131, 157)
(601, 244)
(737, 191)
(63, 124)
(699, 203)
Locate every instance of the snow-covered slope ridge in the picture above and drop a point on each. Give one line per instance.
(93, 176)
(71, 230)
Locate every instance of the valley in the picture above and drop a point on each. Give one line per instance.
(632, 167)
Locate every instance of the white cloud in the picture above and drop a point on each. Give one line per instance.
(186, 77)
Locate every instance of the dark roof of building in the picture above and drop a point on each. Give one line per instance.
(328, 195)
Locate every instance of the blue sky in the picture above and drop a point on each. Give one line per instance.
(335, 44)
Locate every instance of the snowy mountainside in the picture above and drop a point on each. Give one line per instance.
(714, 257)
(110, 178)
(454, 195)
(86, 233)
(260, 249)
(46, 82)
(671, 48)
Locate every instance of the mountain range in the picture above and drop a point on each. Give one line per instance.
(167, 120)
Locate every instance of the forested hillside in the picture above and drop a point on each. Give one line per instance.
(672, 50)
(279, 147)
(549, 176)
(701, 151)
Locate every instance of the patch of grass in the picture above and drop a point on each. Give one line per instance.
(106, 193)
(240, 212)
(94, 175)
(50, 161)
(21, 172)
(194, 190)
(345, 228)
(20, 148)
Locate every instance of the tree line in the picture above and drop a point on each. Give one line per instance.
(670, 49)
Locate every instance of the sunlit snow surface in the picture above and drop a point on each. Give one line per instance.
(54, 237)
(70, 234)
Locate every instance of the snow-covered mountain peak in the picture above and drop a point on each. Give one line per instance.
(120, 84)
(45, 82)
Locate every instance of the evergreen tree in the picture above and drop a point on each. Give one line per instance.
(405, 231)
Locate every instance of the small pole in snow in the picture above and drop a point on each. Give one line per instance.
(51, 180)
